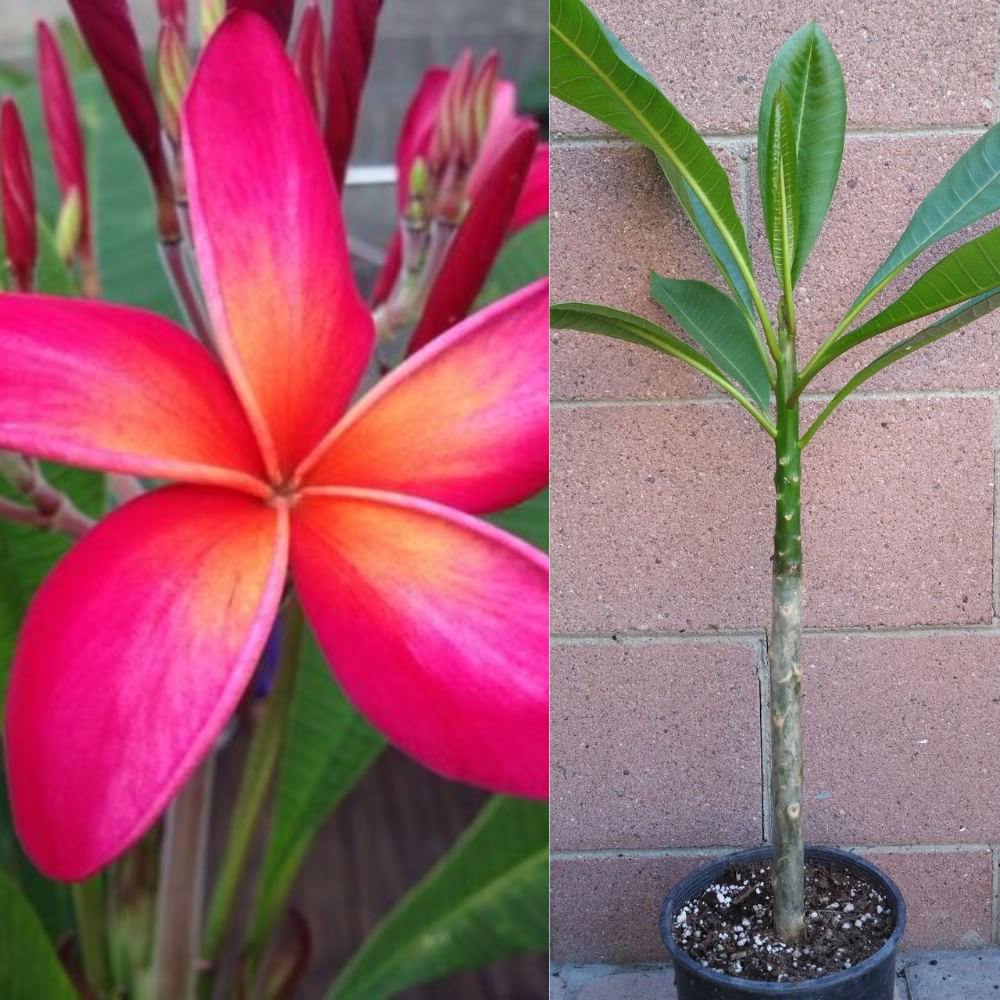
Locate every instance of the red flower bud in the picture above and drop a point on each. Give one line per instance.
(174, 71)
(351, 47)
(62, 124)
(309, 56)
(446, 140)
(479, 238)
(175, 12)
(110, 35)
(17, 192)
(280, 13)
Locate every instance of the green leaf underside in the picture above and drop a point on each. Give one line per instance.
(966, 272)
(783, 207)
(29, 966)
(808, 72)
(485, 900)
(590, 318)
(329, 748)
(967, 313)
(711, 236)
(718, 325)
(968, 192)
(591, 70)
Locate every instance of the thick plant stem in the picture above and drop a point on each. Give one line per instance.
(261, 763)
(182, 884)
(90, 904)
(786, 661)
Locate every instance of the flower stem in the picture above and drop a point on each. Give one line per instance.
(172, 255)
(90, 905)
(182, 884)
(49, 508)
(261, 763)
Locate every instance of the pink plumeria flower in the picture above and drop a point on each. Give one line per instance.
(140, 644)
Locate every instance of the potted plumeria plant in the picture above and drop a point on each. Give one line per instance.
(784, 920)
(268, 519)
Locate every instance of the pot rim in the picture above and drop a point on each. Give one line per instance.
(680, 894)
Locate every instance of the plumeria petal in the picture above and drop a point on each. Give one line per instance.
(464, 422)
(118, 389)
(291, 327)
(280, 13)
(534, 201)
(130, 661)
(435, 625)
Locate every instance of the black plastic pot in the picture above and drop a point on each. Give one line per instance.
(872, 979)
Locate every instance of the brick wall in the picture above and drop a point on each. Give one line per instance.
(661, 505)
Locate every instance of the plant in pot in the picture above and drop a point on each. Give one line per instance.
(772, 921)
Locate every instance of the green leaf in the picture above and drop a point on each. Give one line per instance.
(29, 966)
(590, 318)
(328, 749)
(712, 237)
(49, 899)
(968, 313)
(487, 899)
(52, 276)
(807, 71)
(966, 272)
(968, 192)
(781, 212)
(590, 69)
(528, 520)
(27, 554)
(524, 259)
(715, 322)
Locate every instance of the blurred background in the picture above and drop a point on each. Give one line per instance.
(400, 819)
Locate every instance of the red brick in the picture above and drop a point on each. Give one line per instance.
(904, 64)
(901, 738)
(614, 219)
(608, 909)
(948, 896)
(654, 745)
(662, 516)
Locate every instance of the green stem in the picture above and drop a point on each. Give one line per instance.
(262, 760)
(90, 904)
(182, 887)
(785, 660)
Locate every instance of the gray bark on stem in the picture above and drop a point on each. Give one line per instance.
(785, 662)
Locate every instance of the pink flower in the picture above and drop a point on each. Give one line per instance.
(139, 645)
(17, 192)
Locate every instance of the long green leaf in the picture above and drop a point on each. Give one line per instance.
(968, 271)
(782, 212)
(27, 555)
(711, 236)
(29, 966)
(528, 520)
(524, 258)
(591, 70)
(329, 748)
(715, 322)
(487, 899)
(969, 312)
(968, 192)
(807, 71)
(590, 318)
